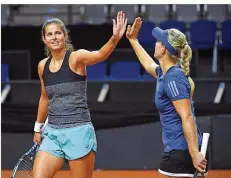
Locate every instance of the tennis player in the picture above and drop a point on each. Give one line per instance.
(174, 90)
(69, 134)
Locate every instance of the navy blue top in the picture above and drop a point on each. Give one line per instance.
(172, 86)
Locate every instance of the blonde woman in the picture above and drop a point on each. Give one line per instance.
(174, 90)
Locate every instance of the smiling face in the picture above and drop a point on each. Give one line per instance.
(54, 37)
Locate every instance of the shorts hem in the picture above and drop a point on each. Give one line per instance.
(178, 174)
(78, 157)
(52, 153)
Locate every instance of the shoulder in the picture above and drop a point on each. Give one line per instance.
(41, 65)
(176, 73)
(176, 85)
(177, 76)
(79, 54)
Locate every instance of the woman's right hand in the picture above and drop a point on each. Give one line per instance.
(199, 161)
(37, 138)
(132, 32)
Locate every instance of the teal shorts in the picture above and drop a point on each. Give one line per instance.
(69, 143)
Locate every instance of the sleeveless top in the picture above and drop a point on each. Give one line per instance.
(67, 94)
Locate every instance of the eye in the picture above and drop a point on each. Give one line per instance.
(59, 33)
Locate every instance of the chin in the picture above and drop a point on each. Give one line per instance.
(155, 56)
(56, 48)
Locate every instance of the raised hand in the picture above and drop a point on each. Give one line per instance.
(119, 26)
(132, 32)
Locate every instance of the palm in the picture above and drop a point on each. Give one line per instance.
(132, 32)
(119, 26)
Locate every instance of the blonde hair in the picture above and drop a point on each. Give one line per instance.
(184, 53)
(68, 45)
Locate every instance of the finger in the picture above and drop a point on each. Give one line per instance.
(123, 18)
(203, 163)
(120, 15)
(117, 20)
(202, 166)
(135, 20)
(125, 23)
(137, 28)
(139, 21)
(134, 23)
(114, 23)
(200, 169)
(128, 30)
(137, 24)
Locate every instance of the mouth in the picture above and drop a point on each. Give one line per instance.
(55, 43)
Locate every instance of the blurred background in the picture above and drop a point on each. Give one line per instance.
(120, 92)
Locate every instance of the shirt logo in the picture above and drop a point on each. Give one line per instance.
(173, 89)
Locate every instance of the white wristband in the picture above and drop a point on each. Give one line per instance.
(38, 126)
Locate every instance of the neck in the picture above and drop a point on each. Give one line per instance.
(58, 56)
(166, 64)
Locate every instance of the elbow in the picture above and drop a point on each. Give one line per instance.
(98, 57)
(101, 56)
(187, 118)
(43, 98)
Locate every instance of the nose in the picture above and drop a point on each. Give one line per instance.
(53, 36)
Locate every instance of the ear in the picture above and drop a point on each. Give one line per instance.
(66, 36)
(44, 41)
(163, 49)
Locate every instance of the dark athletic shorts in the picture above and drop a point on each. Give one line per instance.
(178, 163)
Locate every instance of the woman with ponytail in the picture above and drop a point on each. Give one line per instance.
(69, 134)
(174, 91)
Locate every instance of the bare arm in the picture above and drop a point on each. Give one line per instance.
(43, 101)
(90, 58)
(43, 105)
(93, 57)
(144, 58)
(183, 108)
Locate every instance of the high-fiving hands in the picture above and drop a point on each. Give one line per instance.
(119, 27)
